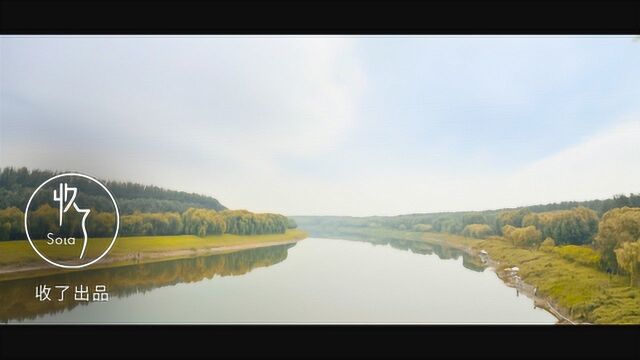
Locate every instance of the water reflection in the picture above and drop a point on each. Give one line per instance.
(18, 302)
(421, 247)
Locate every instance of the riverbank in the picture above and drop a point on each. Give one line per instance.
(18, 260)
(573, 290)
(581, 293)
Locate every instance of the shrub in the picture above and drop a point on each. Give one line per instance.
(584, 255)
(547, 245)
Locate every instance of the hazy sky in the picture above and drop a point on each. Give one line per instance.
(331, 125)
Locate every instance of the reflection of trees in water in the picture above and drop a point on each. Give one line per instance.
(18, 301)
(425, 248)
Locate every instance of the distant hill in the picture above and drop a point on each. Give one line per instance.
(17, 185)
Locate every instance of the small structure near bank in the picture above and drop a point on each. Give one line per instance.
(484, 256)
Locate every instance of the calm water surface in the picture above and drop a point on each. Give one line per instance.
(316, 280)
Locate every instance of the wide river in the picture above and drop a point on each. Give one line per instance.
(314, 281)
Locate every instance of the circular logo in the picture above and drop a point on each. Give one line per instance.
(80, 228)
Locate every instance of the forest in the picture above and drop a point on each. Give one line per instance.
(17, 185)
(145, 210)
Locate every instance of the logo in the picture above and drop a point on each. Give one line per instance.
(71, 220)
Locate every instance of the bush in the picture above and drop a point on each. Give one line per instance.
(583, 255)
(547, 245)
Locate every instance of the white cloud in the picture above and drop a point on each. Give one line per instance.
(215, 111)
(221, 116)
(603, 165)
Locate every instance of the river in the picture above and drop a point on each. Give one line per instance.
(316, 280)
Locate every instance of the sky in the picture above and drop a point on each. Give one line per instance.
(331, 125)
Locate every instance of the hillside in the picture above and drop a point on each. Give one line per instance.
(17, 184)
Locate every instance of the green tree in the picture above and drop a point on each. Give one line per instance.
(43, 220)
(576, 226)
(478, 231)
(101, 223)
(511, 217)
(473, 218)
(449, 225)
(291, 224)
(203, 222)
(522, 237)
(617, 227)
(11, 224)
(243, 222)
(17, 184)
(421, 227)
(628, 257)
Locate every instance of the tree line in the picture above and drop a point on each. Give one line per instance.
(193, 221)
(17, 185)
(455, 222)
(616, 236)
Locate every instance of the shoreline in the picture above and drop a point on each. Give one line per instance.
(23, 271)
(512, 279)
(509, 279)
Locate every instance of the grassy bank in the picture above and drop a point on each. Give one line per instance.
(570, 281)
(19, 256)
(568, 276)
